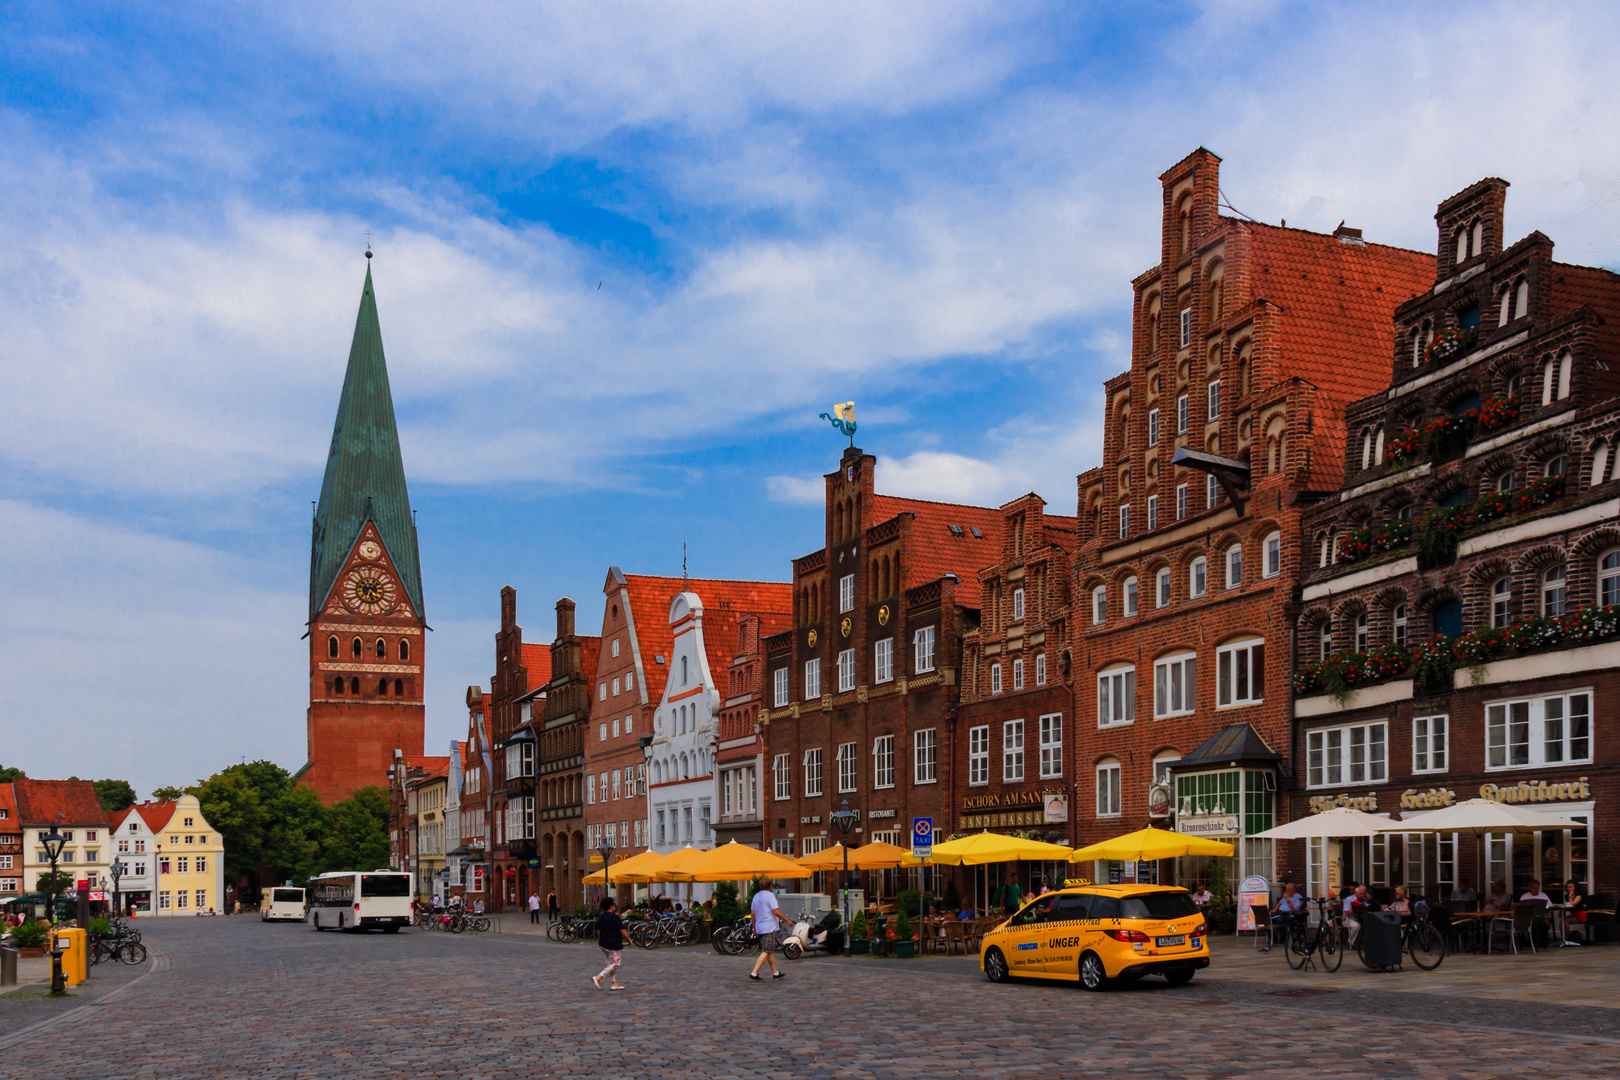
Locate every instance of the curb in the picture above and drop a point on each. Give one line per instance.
(157, 963)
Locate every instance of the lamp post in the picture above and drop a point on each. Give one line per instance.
(845, 819)
(117, 871)
(53, 842)
(607, 855)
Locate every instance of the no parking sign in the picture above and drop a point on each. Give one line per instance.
(922, 837)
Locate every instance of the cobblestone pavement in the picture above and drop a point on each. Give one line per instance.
(235, 997)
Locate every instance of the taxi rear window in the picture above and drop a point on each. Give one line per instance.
(1158, 905)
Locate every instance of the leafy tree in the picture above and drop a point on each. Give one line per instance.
(64, 884)
(359, 836)
(167, 793)
(296, 838)
(9, 774)
(115, 795)
(233, 805)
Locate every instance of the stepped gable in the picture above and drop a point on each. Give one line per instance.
(365, 473)
(933, 550)
(649, 608)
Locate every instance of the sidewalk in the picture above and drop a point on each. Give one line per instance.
(31, 972)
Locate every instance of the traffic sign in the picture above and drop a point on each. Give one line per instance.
(922, 837)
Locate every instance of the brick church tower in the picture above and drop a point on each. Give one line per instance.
(366, 625)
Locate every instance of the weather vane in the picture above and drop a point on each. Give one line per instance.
(843, 419)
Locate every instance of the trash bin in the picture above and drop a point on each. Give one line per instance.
(1381, 939)
(8, 966)
(74, 943)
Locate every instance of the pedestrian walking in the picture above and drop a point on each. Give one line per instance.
(768, 918)
(551, 906)
(609, 935)
(534, 908)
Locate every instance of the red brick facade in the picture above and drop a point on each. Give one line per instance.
(740, 763)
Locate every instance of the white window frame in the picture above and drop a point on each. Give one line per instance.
(979, 755)
(1502, 603)
(847, 777)
(1181, 415)
(1335, 748)
(1181, 501)
(1153, 427)
(1012, 751)
(846, 593)
(812, 679)
(1186, 327)
(1271, 555)
(1153, 512)
(1214, 399)
(1051, 736)
(812, 773)
(781, 781)
(883, 761)
(846, 670)
(1161, 587)
(1133, 596)
(1018, 674)
(883, 661)
(1116, 696)
(1608, 571)
(1099, 605)
(922, 650)
(995, 678)
(1554, 593)
(1175, 684)
(1040, 669)
(1502, 714)
(1109, 802)
(783, 695)
(1235, 672)
(1124, 520)
(1198, 577)
(1233, 561)
(1398, 624)
(1212, 492)
(925, 756)
(1018, 605)
(1430, 743)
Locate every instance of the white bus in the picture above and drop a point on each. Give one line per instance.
(354, 900)
(282, 902)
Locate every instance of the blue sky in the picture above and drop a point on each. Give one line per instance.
(934, 209)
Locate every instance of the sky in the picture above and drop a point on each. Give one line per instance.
(625, 254)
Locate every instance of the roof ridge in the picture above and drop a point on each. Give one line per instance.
(938, 502)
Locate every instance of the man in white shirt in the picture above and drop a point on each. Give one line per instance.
(1534, 893)
(767, 920)
(534, 907)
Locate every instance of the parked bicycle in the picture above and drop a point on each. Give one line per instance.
(1325, 948)
(120, 945)
(663, 928)
(1419, 939)
(572, 928)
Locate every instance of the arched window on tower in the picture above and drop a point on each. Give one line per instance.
(382, 649)
(337, 686)
(399, 687)
(332, 646)
(382, 687)
(354, 683)
(358, 648)
(404, 649)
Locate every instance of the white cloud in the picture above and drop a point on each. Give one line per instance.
(947, 477)
(803, 490)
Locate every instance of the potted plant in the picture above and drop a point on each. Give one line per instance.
(904, 946)
(1222, 912)
(29, 938)
(860, 935)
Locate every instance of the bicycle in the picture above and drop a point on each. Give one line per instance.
(1420, 940)
(1325, 948)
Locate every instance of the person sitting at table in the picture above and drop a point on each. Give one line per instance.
(966, 914)
(1356, 905)
(1290, 906)
(1534, 893)
(1201, 896)
(1575, 911)
(1499, 899)
(1401, 903)
(1464, 892)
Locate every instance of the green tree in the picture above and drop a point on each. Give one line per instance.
(115, 795)
(64, 885)
(359, 836)
(167, 793)
(9, 774)
(232, 804)
(295, 840)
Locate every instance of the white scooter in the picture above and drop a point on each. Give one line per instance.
(825, 936)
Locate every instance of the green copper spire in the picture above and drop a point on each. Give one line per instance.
(365, 474)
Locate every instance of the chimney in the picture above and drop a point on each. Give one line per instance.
(565, 618)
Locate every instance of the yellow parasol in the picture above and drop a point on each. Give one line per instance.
(734, 862)
(874, 856)
(989, 847)
(626, 871)
(1146, 845)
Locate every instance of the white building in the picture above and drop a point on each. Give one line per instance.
(681, 791)
(173, 861)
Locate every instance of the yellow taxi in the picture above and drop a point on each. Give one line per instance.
(1100, 933)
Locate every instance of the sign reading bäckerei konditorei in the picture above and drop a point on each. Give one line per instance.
(1535, 791)
(1367, 804)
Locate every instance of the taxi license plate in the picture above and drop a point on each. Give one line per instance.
(1166, 942)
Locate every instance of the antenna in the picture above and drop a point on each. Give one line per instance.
(684, 579)
(368, 243)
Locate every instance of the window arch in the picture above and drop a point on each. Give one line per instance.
(337, 685)
(382, 649)
(1566, 372)
(1501, 602)
(1099, 604)
(354, 686)
(1521, 298)
(1478, 244)
(382, 687)
(358, 648)
(1132, 597)
(1197, 576)
(1600, 462)
(399, 687)
(1553, 591)
(332, 646)
(1609, 577)
(404, 649)
(1234, 566)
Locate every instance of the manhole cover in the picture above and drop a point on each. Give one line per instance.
(1300, 991)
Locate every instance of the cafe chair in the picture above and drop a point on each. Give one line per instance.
(1519, 923)
(1263, 924)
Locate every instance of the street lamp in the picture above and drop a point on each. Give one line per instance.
(607, 855)
(53, 842)
(117, 871)
(845, 819)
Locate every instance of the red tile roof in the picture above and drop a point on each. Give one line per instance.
(155, 814)
(8, 803)
(649, 608)
(39, 802)
(537, 659)
(590, 649)
(933, 550)
(1337, 331)
(432, 768)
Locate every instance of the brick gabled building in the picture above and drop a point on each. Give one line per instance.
(740, 763)
(469, 859)
(1248, 342)
(1460, 597)
(11, 852)
(863, 690)
(517, 698)
(1014, 768)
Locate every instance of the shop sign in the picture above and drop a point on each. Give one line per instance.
(810, 819)
(1017, 819)
(1209, 825)
(1254, 890)
(1433, 799)
(1007, 800)
(876, 814)
(1159, 801)
(1367, 804)
(1535, 791)
(1057, 808)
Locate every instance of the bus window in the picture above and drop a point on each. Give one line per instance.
(385, 885)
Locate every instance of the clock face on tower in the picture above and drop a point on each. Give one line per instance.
(369, 590)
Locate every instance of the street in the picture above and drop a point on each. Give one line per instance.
(236, 997)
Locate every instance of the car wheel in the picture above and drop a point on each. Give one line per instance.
(1180, 976)
(1093, 976)
(995, 966)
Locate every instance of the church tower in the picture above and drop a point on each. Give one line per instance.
(366, 623)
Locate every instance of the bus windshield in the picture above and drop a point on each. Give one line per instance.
(385, 885)
(287, 896)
